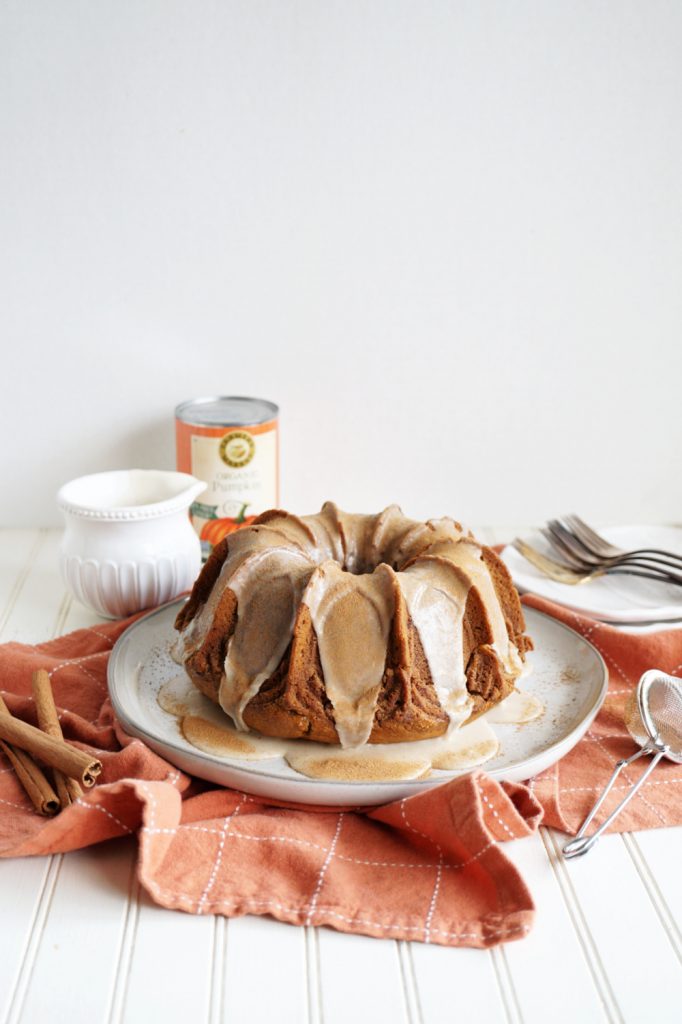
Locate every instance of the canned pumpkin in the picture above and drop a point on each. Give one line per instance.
(233, 444)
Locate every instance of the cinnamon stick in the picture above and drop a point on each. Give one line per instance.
(38, 789)
(56, 753)
(48, 720)
(73, 789)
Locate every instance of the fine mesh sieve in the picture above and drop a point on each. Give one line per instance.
(654, 720)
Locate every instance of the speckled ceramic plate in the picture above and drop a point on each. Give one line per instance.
(567, 675)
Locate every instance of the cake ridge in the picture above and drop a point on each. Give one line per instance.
(346, 628)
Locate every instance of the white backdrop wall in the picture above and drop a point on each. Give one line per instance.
(445, 236)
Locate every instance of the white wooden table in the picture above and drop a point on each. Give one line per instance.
(79, 940)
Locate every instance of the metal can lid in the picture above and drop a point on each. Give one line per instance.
(226, 411)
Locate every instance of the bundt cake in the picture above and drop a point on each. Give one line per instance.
(352, 628)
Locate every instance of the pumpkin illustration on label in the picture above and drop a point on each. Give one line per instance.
(215, 529)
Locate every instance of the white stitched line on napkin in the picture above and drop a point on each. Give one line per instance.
(219, 855)
(608, 657)
(87, 629)
(102, 810)
(103, 636)
(10, 803)
(509, 930)
(152, 799)
(496, 815)
(434, 900)
(598, 786)
(78, 661)
(417, 831)
(86, 672)
(609, 736)
(60, 712)
(233, 834)
(556, 787)
(323, 869)
(439, 872)
(583, 629)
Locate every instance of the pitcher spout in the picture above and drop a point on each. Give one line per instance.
(195, 487)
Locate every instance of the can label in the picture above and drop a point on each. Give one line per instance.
(241, 468)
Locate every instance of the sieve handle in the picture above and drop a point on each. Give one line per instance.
(580, 843)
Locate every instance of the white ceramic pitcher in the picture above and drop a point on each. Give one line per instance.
(129, 543)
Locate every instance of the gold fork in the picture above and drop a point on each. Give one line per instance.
(562, 574)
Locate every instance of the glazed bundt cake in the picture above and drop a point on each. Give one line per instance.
(352, 628)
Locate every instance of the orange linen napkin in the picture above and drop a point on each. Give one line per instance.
(569, 788)
(429, 868)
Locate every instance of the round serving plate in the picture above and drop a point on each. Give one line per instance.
(567, 675)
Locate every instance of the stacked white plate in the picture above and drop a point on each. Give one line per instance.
(613, 598)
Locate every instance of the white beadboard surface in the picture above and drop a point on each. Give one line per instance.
(79, 941)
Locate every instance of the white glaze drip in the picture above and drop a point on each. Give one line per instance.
(467, 555)
(268, 587)
(436, 595)
(351, 616)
